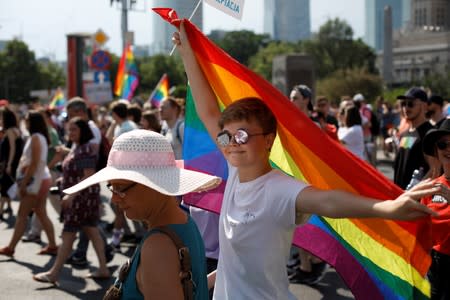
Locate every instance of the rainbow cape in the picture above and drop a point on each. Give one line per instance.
(377, 259)
(160, 92)
(58, 101)
(127, 75)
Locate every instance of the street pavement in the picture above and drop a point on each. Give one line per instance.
(16, 274)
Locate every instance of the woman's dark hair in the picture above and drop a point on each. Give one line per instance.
(9, 118)
(152, 119)
(250, 109)
(85, 131)
(352, 116)
(37, 124)
(306, 92)
(135, 112)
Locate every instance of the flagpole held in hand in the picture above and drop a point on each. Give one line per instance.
(195, 10)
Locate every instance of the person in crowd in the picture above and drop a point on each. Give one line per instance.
(435, 112)
(255, 231)
(144, 179)
(351, 134)
(366, 119)
(323, 106)
(173, 126)
(79, 211)
(386, 125)
(301, 96)
(410, 156)
(10, 151)
(34, 182)
(34, 234)
(150, 121)
(436, 143)
(120, 125)
(134, 113)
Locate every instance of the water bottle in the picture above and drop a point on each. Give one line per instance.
(415, 178)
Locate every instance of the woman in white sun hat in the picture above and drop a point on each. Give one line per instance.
(144, 179)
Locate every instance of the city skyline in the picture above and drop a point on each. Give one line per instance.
(43, 25)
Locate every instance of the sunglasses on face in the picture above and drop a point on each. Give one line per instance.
(409, 103)
(442, 145)
(120, 192)
(241, 137)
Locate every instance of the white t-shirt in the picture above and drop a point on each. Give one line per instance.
(175, 136)
(353, 139)
(257, 221)
(96, 140)
(41, 171)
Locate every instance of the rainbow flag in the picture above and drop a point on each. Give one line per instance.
(160, 92)
(127, 78)
(58, 101)
(377, 259)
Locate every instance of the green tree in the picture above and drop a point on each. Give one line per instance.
(349, 82)
(438, 83)
(243, 44)
(152, 68)
(19, 72)
(333, 48)
(51, 75)
(261, 62)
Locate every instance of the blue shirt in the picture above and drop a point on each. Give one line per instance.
(191, 238)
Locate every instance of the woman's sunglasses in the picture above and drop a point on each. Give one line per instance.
(442, 145)
(241, 137)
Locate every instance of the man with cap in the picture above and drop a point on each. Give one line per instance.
(435, 112)
(410, 157)
(437, 143)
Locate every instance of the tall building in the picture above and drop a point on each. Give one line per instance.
(374, 19)
(162, 31)
(422, 48)
(287, 20)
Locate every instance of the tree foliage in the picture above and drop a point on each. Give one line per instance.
(438, 83)
(333, 48)
(51, 75)
(19, 71)
(262, 61)
(152, 68)
(349, 82)
(243, 44)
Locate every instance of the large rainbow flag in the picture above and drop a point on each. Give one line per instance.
(127, 78)
(58, 101)
(377, 259)
(160, 92)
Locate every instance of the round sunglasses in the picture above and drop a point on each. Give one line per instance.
(241, 137)
(442, 145)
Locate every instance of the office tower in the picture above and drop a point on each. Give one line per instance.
(375, 19)
(431, 15)
(287, 20)
(162, 31)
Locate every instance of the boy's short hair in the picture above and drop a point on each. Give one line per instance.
(120, 109)
(250, 109)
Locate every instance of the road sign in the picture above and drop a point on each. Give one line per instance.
(100, 60)
(101, 76)
(98, 93)
(100, 37)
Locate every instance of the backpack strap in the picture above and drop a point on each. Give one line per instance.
(177, 129)
(185, 262)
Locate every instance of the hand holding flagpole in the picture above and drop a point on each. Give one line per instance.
(195, 10)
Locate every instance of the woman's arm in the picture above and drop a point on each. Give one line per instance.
(158, 272)
(34, 161)
(204, 97)
(340, 204)
(212, 279)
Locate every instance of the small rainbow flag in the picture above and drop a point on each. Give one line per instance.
(160, 92)
(58, 101)
(377, 259)
(127, 78)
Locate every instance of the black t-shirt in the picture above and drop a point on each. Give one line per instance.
(410, 155)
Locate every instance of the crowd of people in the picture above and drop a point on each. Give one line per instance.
(62, 155)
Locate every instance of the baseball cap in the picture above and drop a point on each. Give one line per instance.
(415, 93)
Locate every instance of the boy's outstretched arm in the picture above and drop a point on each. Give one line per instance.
(340, 204)
(204, 97)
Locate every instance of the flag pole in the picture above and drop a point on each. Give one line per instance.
(195, 10)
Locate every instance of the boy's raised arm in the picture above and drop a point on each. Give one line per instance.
(204, 97)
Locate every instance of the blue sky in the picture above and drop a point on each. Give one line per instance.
(43, 24)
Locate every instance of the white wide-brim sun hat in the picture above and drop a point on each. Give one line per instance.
(147, 158)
